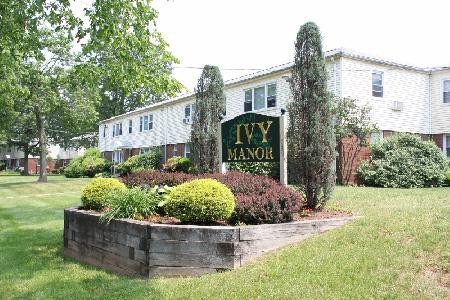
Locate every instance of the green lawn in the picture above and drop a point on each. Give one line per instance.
(399, 249)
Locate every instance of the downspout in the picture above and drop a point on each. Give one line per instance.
(165, 133)
(430, 115)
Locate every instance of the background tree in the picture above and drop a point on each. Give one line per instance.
(353, 128)
(125, 57)
(209, 109)
(311, 140)
(36, 76)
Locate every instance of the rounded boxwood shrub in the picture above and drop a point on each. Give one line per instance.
(95, 193)
(404, 161)
(200, 201)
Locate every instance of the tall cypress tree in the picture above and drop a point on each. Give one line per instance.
(209, 107)
(311, 141)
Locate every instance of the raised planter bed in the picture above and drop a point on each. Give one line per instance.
(140, 248)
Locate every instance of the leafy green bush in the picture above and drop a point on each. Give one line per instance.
(88, 165)
(74, 169)
(178, 164)
(257, 168)
(147, 161)
(405, 161)
(95, 194)
(200, 201)
(131, 203)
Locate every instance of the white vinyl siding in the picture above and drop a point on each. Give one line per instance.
(260, 97)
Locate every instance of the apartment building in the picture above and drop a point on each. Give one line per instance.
(403, 98)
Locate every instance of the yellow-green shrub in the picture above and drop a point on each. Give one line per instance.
(200, 201)
(95, 193)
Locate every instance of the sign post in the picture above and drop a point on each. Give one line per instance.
(254, 138)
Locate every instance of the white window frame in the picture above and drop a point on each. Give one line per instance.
(187, 119)
(186, 147)
(117, 129)
(130, 126)
(175, 150)
(266, 88)
(144, 150)
(149, 123)
(382, 83)
(104, 131)
(442, 90)
(120, 156)
(446, 147)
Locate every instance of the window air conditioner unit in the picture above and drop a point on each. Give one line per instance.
(397, 105)
(187, 120)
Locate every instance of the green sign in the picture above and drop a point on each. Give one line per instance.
(251, 138)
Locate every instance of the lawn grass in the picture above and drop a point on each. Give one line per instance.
(399, 249)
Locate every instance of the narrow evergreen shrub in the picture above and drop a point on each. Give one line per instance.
(200, 201)
(131, 203)
(95, 194)
(178, 164)
(404, 161)
(310, 137)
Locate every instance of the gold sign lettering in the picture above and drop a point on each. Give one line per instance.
(264, 130)
(238, 135)
(249, 133)
(232, 154)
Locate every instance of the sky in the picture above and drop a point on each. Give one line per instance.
(258, 34)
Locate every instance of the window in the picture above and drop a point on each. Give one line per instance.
(260, 97)
(376, 137)
(377, 84)
(189, 112)
(130, 126)
(117, 156)
(144, 150)
(146, 123)
(104, 131)
(175, 150)
(187, 150)
(446, 91)
(447, 145)
(117, 129)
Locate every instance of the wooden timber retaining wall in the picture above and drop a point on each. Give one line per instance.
(144, 249)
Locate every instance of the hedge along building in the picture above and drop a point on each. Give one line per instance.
(403, 98)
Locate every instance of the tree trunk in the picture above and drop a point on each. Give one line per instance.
(26, 153)
(42, 148)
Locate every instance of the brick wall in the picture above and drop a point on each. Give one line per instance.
(350, 155)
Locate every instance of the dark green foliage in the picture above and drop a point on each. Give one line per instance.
(257, 168)
(178, 164)
(311, 138)
(150, 160)
(210, 107)
(88, 165)
(404, 161)
(131, 203)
